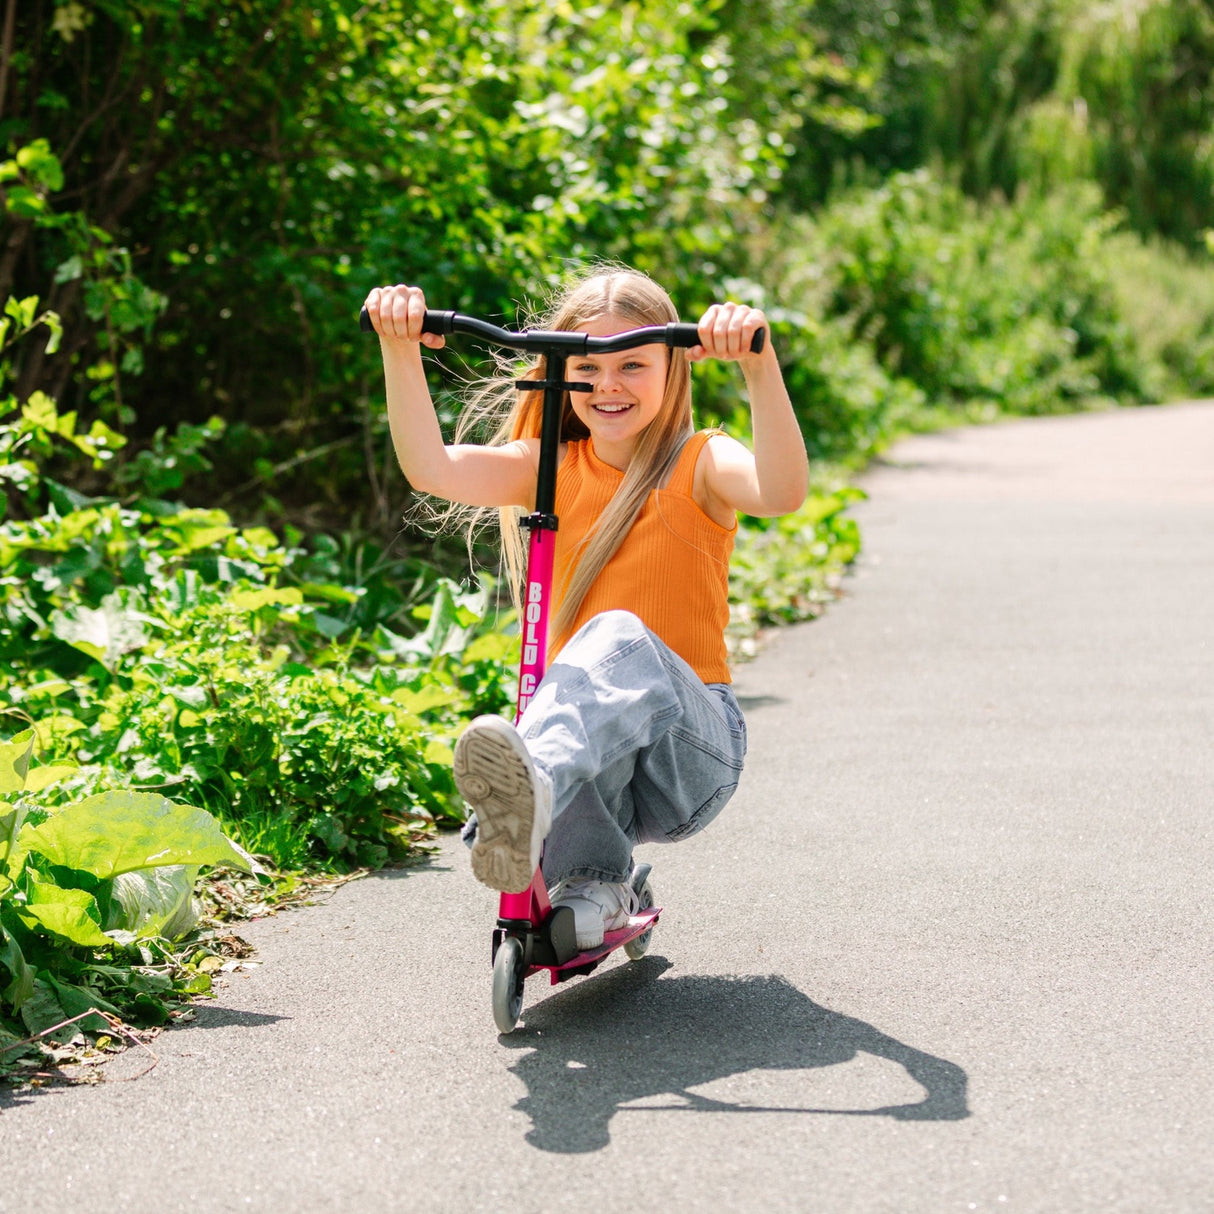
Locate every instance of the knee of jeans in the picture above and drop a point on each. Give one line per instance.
(618, 622)
(704, 815)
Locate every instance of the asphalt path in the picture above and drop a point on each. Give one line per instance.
(949, 949)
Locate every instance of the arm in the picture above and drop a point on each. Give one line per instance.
(469, 474)
(774, 479)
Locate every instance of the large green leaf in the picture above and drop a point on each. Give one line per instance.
(122, 832)
(11, 818)
(114, 628)
(42, 1011)
(41, 778)
(54, 1005)
(15, 762)
(14, 769)
(77, 999)
(21, 986)
(155, 902)
(65, 913)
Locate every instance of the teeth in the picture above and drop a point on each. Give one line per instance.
(612, 408)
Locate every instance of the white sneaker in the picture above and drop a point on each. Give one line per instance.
(598, 907)
(512, 800)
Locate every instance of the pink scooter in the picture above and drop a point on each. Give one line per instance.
(530, 935)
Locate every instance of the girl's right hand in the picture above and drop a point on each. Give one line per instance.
(397, 313)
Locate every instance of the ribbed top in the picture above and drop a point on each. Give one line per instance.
(672, 569)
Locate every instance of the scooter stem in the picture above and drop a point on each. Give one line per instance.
(532, 904)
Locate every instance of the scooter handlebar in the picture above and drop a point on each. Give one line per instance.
(540, 341)
(684, 336)
(432, 322)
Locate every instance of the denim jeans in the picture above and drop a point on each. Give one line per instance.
(638, 748)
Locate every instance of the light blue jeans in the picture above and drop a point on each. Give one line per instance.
(638, 748)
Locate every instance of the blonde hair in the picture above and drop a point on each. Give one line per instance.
(604, 290)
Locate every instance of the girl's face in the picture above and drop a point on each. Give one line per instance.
(626, 395)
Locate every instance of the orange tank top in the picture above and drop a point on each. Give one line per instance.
(672, 569)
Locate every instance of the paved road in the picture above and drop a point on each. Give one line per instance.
(949, 950)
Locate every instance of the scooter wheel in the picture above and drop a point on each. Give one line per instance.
(636, 949)
(508, 984)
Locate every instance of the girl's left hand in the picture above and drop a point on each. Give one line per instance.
(726, 331)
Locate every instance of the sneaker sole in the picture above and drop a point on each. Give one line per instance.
(585, 943)
(493, 774)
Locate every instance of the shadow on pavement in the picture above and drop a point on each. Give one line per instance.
(217, 1017)
(632, 1041)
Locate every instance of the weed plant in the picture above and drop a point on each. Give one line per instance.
(93, 892)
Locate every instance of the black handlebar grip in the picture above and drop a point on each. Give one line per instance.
(432, 322)
(684, 336)
(438, 322)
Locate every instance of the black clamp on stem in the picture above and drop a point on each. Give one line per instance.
(537, 385)
(539, 521)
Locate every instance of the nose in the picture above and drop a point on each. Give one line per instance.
(607, 380)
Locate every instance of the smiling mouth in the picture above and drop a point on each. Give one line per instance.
(616, 408)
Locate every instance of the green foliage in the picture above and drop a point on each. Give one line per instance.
(891, 62)
(166, 647)
(334, 760)
(169, 460)
(1011, 306)
(1143, 80)
(1169, 297)
(787, 569)
(93, 892)
(848, 404)
(1044, 93)
(402, 140)
(89, 274)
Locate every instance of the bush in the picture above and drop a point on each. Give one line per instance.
(1169, 294)
(954, 305)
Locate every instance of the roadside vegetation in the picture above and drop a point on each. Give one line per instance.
(218, 636)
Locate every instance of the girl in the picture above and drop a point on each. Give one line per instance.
(634, 734)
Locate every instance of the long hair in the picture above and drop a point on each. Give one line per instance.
(601, 291)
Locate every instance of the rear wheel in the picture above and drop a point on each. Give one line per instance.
(508, 984)
(636, 949)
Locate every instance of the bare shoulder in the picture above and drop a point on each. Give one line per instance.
(723, 456)
(721, 447)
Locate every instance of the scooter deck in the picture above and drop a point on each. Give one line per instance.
(584, 962)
